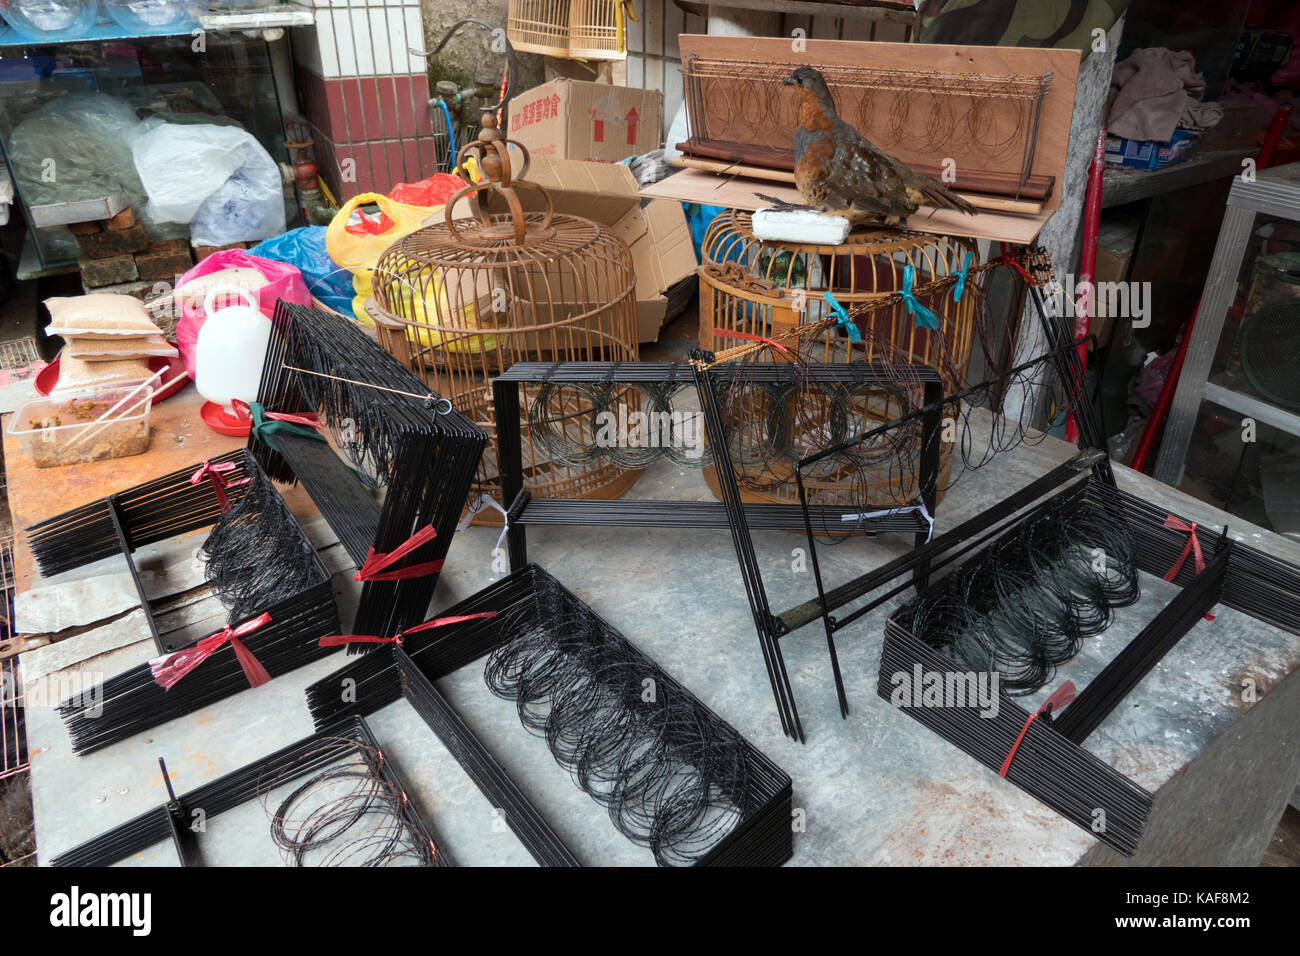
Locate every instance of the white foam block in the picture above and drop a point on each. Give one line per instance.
(800, 225)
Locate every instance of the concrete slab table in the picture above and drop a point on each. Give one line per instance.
(877, 788)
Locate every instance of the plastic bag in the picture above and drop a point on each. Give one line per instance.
(283, 282)
(305, 248)
(77, 147)
(357, 248)
(218, 179)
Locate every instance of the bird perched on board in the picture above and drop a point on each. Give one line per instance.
(839, 172)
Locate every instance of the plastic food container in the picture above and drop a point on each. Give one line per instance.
(150, 16)
(46, 20)
(61, 430)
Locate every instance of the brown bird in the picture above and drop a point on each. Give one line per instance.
(839, 172)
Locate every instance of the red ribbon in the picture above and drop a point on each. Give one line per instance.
(335, 640)
(219, 485)
(1193, 545)
(1058, 699)
(375, 565)
(170, 668)
(311, 421)
(736, 334)
(1012, 263)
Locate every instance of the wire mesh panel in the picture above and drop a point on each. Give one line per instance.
(751, 288)
(13, 730)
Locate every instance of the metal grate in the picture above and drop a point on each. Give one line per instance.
(18, 353)
(13, 733)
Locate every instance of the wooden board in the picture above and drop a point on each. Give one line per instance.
(178, 438)
(994, 203)
(711, 189)
(1053, 135)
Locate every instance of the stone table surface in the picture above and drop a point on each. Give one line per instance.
(876, 788)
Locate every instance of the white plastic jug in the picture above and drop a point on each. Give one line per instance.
(231, 349)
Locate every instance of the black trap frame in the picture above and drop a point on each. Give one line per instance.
(182, 818)
(693, 790)
(396, 432)
(263, 568)
(730, 512)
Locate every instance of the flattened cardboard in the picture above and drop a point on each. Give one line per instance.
(599, 122)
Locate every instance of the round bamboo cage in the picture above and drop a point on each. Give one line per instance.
(765, 288)
(461, 301)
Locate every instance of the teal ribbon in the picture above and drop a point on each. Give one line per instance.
(925, 319)
(842, 318)
(264, 429)
(960, 286)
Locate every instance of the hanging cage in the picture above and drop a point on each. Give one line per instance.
(750, 287)
(461, 301)
(574, 29)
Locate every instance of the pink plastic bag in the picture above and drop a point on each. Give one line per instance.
(284, 281)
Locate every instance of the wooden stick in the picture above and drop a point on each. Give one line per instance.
(92, 430)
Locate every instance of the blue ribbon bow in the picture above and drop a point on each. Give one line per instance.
(960, 285)
(925, 319)
(842, 318)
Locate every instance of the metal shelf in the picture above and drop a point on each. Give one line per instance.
(269, 17)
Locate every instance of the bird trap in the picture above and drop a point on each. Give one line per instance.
(672, 775)
(994, 123)
(258, 561)
(350, 809)
(395, 434)
(724, 392)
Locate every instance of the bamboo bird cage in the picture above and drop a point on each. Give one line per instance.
(767, 289)
(576, 29)
(462, 301)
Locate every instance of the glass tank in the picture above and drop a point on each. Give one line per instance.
(69, 111)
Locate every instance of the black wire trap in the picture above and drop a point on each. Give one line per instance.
(399, 438)
(652, 384)
(332, 799)
(258, 561)
(670, 773)
(1022, 587)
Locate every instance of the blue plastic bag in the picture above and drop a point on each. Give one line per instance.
(305, 248)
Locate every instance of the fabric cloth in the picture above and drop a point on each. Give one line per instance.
(1152, 89)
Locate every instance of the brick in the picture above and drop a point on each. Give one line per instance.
(170, 246)
(84, 228)
(202, 252)
(162, 265)
(116, 242)
(123, 220)
(140, 290)
(97, 273)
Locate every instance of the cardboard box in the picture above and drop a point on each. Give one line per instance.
(570, 119)
(655, 230)
(1140, 154)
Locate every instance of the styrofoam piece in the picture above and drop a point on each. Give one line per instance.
(800, 225)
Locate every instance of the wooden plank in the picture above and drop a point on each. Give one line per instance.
(711, 189)
(1053, 136)
(1010, 206)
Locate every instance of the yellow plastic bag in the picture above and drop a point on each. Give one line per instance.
(359, 253)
